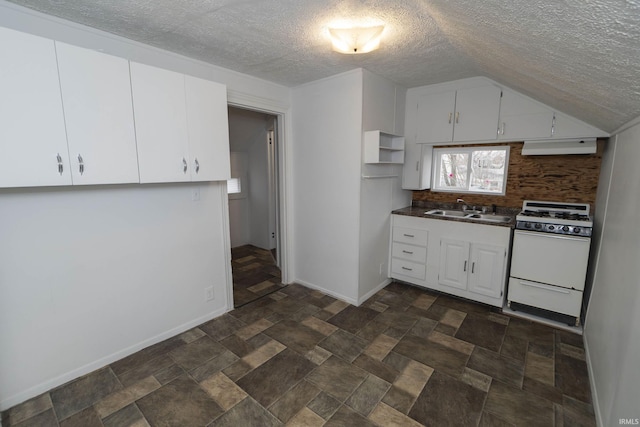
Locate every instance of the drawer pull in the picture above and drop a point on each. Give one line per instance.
(407, 252)
(408, 235)
(558, 290)
(473, 267)
(407, 268)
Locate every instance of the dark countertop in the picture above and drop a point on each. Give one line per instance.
(419, 208)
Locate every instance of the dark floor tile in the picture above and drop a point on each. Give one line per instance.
(344, 345)
(543, 390)
(169, 374)
(179, 403)
(423, 327)
(399, 399)
(28, 409)
(372, 329)
(514, 347)
(85, 418)
(530, 331)
(542, 349)
(297, 291)
(577, 413)
(196, 353)
(145, 355)
(491, 420)
(77, 395)
(237, 370)
(43, 419)
(221, 327)
(352, 319)
(447, 400)
(324, 405)
(377, 368)
(306, 311)
(565, 337)
(295, 336)
(479, 330)
(246, 413)
(367, 395)
(347, 417)
(432, 354)
(396, 361)
(125, 417)
(287, 307)
(273, 378)
(463, 305)
(337, 377)
(518, 407)
(151, 367)
(572, 377)
(294, 400)
(395, 300)
(214, 365)
(505, 369)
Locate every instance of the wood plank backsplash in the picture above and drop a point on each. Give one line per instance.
(565, 178)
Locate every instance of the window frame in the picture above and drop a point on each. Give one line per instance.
(437, 163)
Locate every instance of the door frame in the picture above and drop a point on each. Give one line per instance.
(282, 112)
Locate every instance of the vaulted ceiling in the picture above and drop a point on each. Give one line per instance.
(579, 56)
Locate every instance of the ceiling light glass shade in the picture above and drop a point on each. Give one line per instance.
(356, 40)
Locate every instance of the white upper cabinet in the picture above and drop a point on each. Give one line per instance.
(208, 130)
(459, 115)
(477, 112)
(161, 124)
(434, 117)
(523, 118)
(33, 144)
(96, 94)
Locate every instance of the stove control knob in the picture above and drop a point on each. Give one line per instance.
(565, 228)
(576, 230)
(551, 228)
(527, 225)
(538, 226)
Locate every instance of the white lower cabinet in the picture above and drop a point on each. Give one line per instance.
(464, 259)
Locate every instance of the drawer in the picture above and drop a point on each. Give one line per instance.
(553, 298)
(410, 235)
(409, 252)
(408, 268)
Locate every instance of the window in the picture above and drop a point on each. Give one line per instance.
(470, 170)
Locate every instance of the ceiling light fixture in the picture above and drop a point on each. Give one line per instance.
(356, 40)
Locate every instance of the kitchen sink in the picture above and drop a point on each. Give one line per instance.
(469, 215)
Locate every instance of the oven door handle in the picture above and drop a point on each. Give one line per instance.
(546, 288)
(552, 236)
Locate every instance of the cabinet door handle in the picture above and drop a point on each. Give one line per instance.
(473, 267)
(60, 165)
(418, 166)
(457, 117)
(409, 235)
(407, 252)
(450, 115)
(80, 165)
(501, 129)
(465, 266)
(197, 165)
(184, 165)
(553, 124)
(407, 268)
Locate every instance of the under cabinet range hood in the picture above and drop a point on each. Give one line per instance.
(559, 146)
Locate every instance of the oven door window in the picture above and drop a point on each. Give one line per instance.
(552, 259)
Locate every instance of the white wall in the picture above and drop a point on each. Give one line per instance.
(327, 129)
(612, 327)
(90, 275)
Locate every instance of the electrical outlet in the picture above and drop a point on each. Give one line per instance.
(195, 194)
(208, 293)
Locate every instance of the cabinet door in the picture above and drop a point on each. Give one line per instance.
(33, 142)
(487, 273)
(208, 128)
(454, 263)
(161, 124)
(522, 118)
(477, 113)
(435, 117)
(416, 173)
(96, 94)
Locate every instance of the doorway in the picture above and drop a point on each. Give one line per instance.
(253, 205)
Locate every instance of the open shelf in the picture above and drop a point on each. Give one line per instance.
(381, 148)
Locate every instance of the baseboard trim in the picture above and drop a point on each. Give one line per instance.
(104, 361)
(372, 292)
(592, 384)
(326, 291)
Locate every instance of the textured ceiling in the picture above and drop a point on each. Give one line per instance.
(579, 56)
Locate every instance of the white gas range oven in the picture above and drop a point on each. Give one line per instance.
(549, 259)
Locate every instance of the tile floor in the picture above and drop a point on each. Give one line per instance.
(406, 357)
(254, 274)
